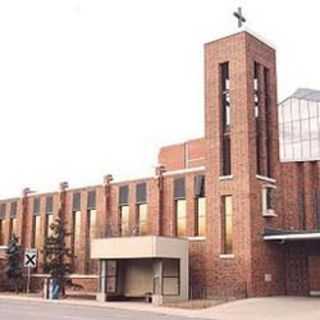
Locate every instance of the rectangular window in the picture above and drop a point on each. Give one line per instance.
(76, 201)
(181, 216)
(227, 232)
(143, 218)
(256, 86)
(225, 120)
(268, 200)
(317, 210)
(142, 208)
(180, 207)
(124, 221)
(12, 227)
(36, 235)
(124, 211)
(179, 188)
(13, 209)
(268, 117)
(225, 95)
(2, 222)
(257, 115)
(200, 217)
(49, 221)
(91, 265)
(200, 206)
(112, 271)
(49, 204)
(92, 200)
(13, 220)
(123, 195)
(76, 225)
(141, 193)
(92, 217)
(36, 223)
(36, 206)
(171, 277)
(1, 231)
(49, 216)
(226, 155)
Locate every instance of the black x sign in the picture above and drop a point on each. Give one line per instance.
(31, 259)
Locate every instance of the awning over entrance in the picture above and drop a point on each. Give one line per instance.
(290, 235)
(139, 247)
(146, 266)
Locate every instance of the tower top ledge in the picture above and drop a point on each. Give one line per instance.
(247, 30)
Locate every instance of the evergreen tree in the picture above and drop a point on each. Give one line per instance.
(14, 270)
(57, 255)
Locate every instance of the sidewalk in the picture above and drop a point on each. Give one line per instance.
(269, 308)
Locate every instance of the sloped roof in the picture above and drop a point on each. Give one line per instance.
(307, 94)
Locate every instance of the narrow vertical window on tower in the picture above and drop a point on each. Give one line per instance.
(124, 211)
(268, 120)
(225, 119)
(227, 232)
(76, 225)
(2, 222)
(13, 219)
(142, 209)
(36, 236)
(200, 206)
(256, 88)
(180, 207)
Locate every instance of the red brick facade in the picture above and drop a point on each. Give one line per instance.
(255, 267)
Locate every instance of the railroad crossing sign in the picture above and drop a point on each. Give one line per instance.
(30, 258)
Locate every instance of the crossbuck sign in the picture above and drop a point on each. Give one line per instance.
(30, 258)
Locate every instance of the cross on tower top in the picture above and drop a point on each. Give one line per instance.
(240, 17)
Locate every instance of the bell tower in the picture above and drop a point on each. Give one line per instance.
(241, 130)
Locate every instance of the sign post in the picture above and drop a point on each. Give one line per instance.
(30, 262)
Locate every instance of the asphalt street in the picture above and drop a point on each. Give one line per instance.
(25, 310)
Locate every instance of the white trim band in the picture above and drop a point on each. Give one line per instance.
(182, 171)
(197, 238)
(301, 236)
(267, 179)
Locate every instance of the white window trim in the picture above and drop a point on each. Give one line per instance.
(227, 256)
(197, 238)
(266, 179)
(222, 178)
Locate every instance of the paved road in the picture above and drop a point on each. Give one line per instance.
(25, 310)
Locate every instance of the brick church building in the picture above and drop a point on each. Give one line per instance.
(222, 216)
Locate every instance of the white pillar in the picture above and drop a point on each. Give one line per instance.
(102, 294)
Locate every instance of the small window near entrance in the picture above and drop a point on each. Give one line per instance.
(171, 277)
(111, 276)
(268, 200)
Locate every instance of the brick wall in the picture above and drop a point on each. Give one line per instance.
(255, 268)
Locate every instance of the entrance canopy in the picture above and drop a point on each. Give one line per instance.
(139, 247)
(145, 266)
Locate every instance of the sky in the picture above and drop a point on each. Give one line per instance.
(89, 88)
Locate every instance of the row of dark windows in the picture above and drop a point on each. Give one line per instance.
(141, 194)
(76, 201)
(13, 210)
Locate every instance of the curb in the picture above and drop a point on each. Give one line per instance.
(110, 305)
